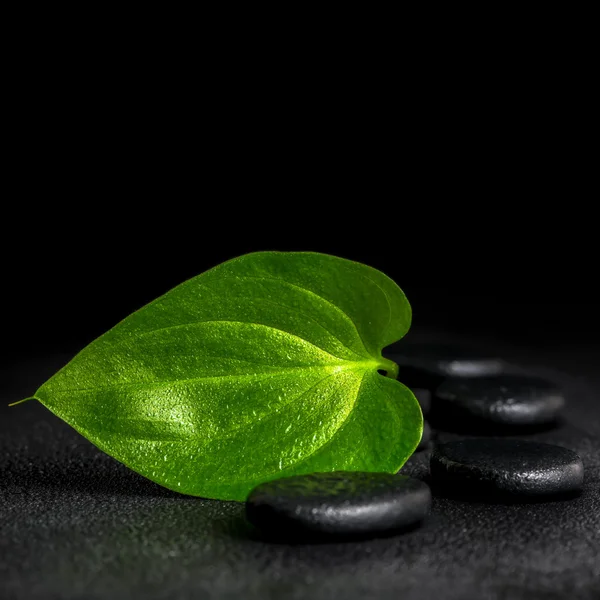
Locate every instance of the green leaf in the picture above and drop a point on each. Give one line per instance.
(263, 367)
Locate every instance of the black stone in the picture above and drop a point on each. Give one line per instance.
(427, 365)
(503, 400)
(338, 504)
(418, 378)
(426, 437)
(423, 397)
(498, 468)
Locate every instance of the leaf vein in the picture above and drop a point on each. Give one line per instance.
(233, 432)
(308, 317)
(234, 322)
(310, 293)
(157, 384)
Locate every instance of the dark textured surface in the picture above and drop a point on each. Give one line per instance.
(76, 524)
(338, 503)
(504, 400)
(493, 467)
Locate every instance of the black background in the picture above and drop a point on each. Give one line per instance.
(474, 266)
(466, 177)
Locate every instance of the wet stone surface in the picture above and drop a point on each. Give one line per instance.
(509, 400)
(338, 504)
(498, 468)
(426, 438)
(448, 360)
(423, 397)
(426, 365)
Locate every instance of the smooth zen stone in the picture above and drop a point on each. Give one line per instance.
(423, 397)
(338, 504)
(426, 437)
(496, 468)
(427, 365)
(503, 400)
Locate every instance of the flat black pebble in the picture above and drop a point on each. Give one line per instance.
(426, 437)
(426, 365)
(338, 504)
(423, 397)
(498, 467)
(503, 400)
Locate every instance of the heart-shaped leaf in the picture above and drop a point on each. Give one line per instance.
(265, 366)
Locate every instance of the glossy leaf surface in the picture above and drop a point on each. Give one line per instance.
(265, 366)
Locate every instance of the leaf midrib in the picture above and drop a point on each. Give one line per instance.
(352, 366)
(106, 337)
